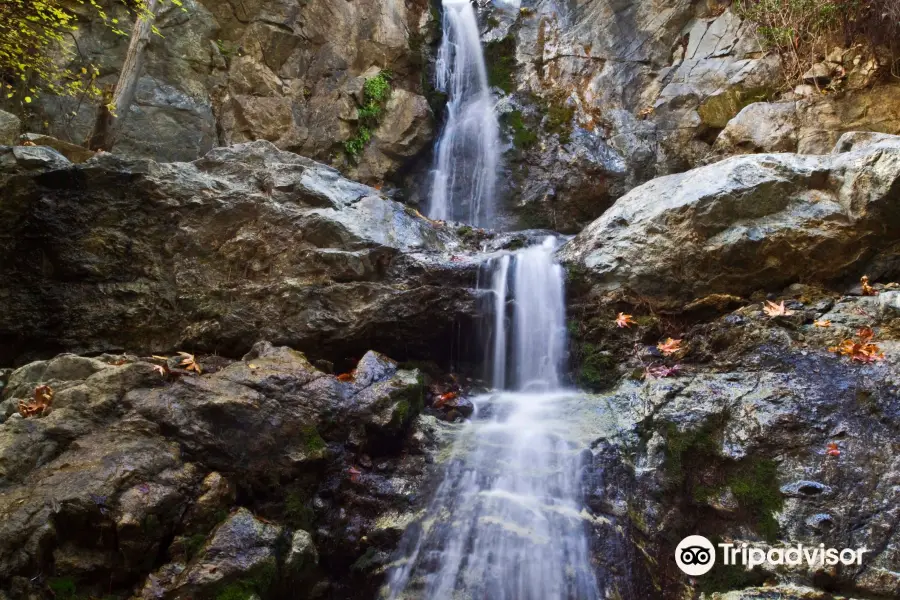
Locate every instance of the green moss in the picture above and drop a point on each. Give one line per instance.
(243, 589)
(401, 412)
(559, 119)
(597, 369)
(62, 587)
(500, 57)
(296, 512)
(717, 110)
(753, 481)
(754, 484)
(312, 440)
(193, 545)
(731, 577)
(523, 137)
(493, 22)
(466, 233)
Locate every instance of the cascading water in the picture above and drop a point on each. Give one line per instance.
(507, 521)
(467, 154)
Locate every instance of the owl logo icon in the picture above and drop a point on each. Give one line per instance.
(695, 555)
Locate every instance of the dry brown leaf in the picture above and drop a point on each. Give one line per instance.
(189, 363)
(776, 310)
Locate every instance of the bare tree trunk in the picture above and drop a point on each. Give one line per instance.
(103, 137)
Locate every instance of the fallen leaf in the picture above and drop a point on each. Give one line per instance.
(824, 324)
(862, 349)
(832, 450)
(867, 290)
(669, 346)
(661, 371)
(161, 369)
(623, 320)
(345, 377)
(39, 405)
(159, 357)
(252, 366)
(354, 474)
(776, 310)
(190, 363)
(444, 399)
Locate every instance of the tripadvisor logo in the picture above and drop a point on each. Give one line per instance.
(696, 555)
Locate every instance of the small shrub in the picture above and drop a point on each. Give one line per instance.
(500, 56)
(376, 92)
(802, 31)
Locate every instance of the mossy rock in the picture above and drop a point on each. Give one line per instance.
(500, 58)
(597, 369)
(717, 110)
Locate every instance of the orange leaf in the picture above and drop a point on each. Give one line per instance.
(444, 399)
(867, 290)
(345, 377)
(832, 450)
(623, 320)
(823, 324)
(669, 346)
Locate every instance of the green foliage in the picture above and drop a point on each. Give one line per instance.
(37, 48)
(500, 56)
(523, 137)
(559, 119)
(62, 587)
(376, 92)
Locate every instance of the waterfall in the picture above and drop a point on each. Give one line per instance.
(467, 153)
(507, 522)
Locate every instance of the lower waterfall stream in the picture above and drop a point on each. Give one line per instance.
(507, 521)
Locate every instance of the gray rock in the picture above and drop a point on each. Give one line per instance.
(40, 157)
(760, 127)
(242, 553)
(10, 125)
(245, 243)
(745, 224)
(302, 555)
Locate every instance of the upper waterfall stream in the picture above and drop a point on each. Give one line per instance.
(467, 154)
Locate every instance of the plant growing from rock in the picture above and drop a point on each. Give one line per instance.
(376, 92)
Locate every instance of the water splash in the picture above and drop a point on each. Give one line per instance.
(507, 522)
(467, 154)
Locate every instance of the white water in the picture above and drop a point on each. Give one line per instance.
(507, 522)
(467, 154)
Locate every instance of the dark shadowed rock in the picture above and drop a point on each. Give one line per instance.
(243, 244)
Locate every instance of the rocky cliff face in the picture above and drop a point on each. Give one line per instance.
(288, 72)
(595, 97)
(604, 95)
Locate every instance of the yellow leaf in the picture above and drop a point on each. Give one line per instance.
(27, 99)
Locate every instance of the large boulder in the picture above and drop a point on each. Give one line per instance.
(759, 435)
(749, 223)
(247, 243)
(131, 479)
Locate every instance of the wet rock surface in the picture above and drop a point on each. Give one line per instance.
(264, 476)
(247, 243)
